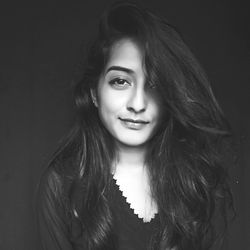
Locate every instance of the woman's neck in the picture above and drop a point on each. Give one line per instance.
(130, 158)
(132, 178)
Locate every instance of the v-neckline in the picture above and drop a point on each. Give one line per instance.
(128, 205)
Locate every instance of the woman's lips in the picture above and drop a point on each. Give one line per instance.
(133, 124)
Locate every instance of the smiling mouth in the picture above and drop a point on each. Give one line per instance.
(134, 121)
(133, 124)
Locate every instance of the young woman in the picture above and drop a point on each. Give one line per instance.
(141, 169)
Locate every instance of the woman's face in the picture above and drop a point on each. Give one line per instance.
(128, 107)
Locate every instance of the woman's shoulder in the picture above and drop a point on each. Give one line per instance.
(53, 211)
(51, 180)
(57, 177)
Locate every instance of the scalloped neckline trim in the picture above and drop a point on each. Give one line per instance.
(132, 210)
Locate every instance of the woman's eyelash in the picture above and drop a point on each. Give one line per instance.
(119, 82)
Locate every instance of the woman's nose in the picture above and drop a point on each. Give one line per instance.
(137, 102)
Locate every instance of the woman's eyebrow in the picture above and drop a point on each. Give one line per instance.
(119, 68)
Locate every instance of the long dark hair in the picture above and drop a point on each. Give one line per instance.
(188, 180)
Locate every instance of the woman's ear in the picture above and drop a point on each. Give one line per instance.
(94, 97)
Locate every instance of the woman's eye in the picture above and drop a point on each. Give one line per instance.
(119, 83)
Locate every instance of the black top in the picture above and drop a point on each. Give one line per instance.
(57, 232)
(132, 232)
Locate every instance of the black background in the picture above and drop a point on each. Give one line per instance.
(40, 46)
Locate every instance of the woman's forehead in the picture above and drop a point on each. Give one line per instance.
(125, 53)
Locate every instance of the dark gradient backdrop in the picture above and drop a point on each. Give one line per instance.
(39, 47)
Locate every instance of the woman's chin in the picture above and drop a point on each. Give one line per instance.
(133, 143)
